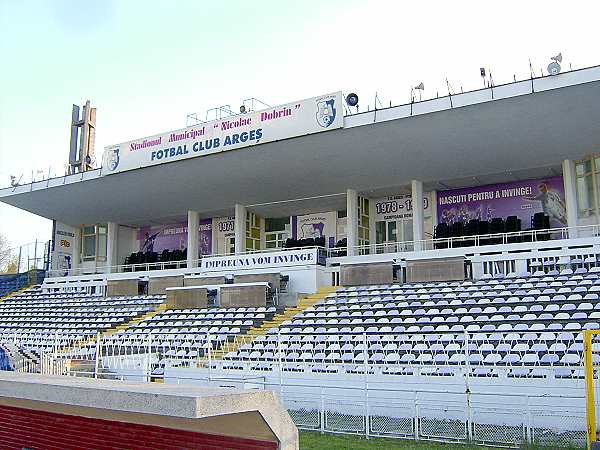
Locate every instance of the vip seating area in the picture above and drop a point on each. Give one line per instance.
(462, 230)
(157, 260)
(523, 325)
(35, 318)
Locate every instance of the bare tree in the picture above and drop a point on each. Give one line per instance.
(6, 253)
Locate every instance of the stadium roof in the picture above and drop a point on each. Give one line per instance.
(518, 130)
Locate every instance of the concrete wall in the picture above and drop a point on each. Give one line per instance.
(203, 281)
(127, 243)
(231, 413)
(364, 274)
(273, 278)
(116, 288)
(245, 296)
(187, 299)
(158, 285)
(435, 270)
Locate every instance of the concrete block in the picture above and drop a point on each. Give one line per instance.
(187, 298)
(203, 281)
(365, 274)
(243, 296)
(115, 288)
(274, 279)
(439, 269)
(158, 285)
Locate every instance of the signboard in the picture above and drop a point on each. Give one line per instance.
(224, 234)
(63, 247)
(244, 130)
(520, 198)
(316, 226)
(171, 237)
(260, 260)
(399, 207)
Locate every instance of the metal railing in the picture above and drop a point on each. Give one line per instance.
(461, 399)
(369, 249)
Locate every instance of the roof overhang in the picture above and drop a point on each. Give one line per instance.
(522, 135)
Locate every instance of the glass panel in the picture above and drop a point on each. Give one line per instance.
(88, 231)
(392, 234)
(588, 165)
(89, 246)
(101, 246)
(276, 224)
(580, 169)
(583, 195)
(379, 232)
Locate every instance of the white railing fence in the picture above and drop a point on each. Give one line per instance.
(369, 249)
(442, 386)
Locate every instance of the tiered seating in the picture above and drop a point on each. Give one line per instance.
(183, 334)
(520, 323)
(35, 318)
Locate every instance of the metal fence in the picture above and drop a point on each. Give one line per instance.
(448, 389)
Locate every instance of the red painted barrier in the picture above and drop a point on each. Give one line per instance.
(40, 430)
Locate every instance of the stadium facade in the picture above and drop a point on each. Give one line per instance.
(306, 170)
(451, 244)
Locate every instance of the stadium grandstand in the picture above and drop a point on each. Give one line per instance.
(425, 271)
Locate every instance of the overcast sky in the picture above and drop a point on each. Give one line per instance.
(145, 65)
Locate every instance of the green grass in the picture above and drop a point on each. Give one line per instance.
(317, 441)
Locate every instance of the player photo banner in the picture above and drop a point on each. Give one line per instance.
(318, 225)
(171, 237)
(303, 117)
(520, 198)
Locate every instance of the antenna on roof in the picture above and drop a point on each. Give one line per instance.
(249, 105)
(192, 120)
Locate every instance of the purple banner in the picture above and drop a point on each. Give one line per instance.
(519, 198)
(157, 238)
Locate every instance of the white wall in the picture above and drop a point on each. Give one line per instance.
(127, 243)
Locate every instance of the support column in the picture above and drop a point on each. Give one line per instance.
(112, 236)
(193, 226)
(240, 228)
(352, 221)
(569, 180)
(76, 258)
(418, 212)
(372, 226)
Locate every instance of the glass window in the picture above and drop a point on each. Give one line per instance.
(587, 181)
(276, 224)
(94, 242)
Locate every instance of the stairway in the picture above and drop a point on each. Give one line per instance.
(114, 330)
(276, 321)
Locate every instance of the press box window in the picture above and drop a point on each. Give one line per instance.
(93, 243)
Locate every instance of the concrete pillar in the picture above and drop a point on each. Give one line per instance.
(372, 226)
(240, 228)
(352, 221)
(434, 211)
(570, 180)
(112, 237)
(418, 213)
(76, 259)
(193, 225)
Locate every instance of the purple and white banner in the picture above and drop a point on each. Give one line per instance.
(519, 198)
(157, 238)
(316, 225)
